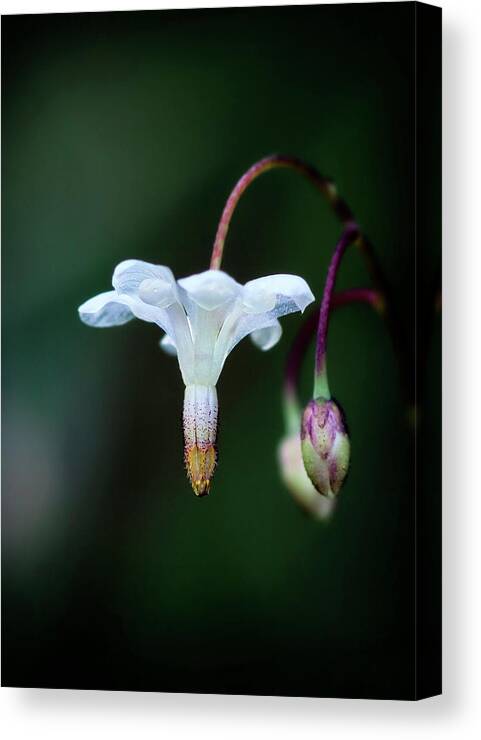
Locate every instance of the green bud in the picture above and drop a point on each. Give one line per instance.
(325, 445)
(297, 481)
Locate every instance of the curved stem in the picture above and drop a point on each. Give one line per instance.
(292, 409)
(321, 385)
(323, 184)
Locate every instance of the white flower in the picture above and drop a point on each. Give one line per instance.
(203, 316)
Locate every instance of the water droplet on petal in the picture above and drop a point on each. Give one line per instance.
(157, 292)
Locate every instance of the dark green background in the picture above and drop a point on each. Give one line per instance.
(122, 135)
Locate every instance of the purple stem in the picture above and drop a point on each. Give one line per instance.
(304, 336)
(321, 387)
(323, 184)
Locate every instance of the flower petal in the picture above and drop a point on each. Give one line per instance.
(168, 345)
(291, 291)
(105, 310)
(112, 309)
(210, 289)
(267, 337)
(129, 275)
(258, 298)
(292, 294)
(157, 292)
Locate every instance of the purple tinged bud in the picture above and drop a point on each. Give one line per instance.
(325, 445)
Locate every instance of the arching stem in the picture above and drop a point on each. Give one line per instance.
(323, 184)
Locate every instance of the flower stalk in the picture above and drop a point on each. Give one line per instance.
(292, 467)
(325, 443)
(292, 408)
(323, 184)
(321, 385)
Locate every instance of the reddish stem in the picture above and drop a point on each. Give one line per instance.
(306, 332)
(323, 184)
(321, 387)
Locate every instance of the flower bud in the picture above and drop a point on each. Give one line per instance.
(297, 481)
(325, 445)
(200, 431)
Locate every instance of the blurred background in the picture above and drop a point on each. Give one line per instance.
(122, 135)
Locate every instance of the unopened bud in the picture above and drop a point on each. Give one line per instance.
(325, 445)
(298, 482)
(200, 431)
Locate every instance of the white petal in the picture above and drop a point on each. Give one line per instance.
(168, 345)
(291, 291)
(211, 289)
(145, 311)
(292, 294)
(152, 294)
(105, 310)
(267, 337)
(157, 292)
(128, 275)
(112, 309)
(258, 298)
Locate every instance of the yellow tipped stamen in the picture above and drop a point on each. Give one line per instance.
(200, 463)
